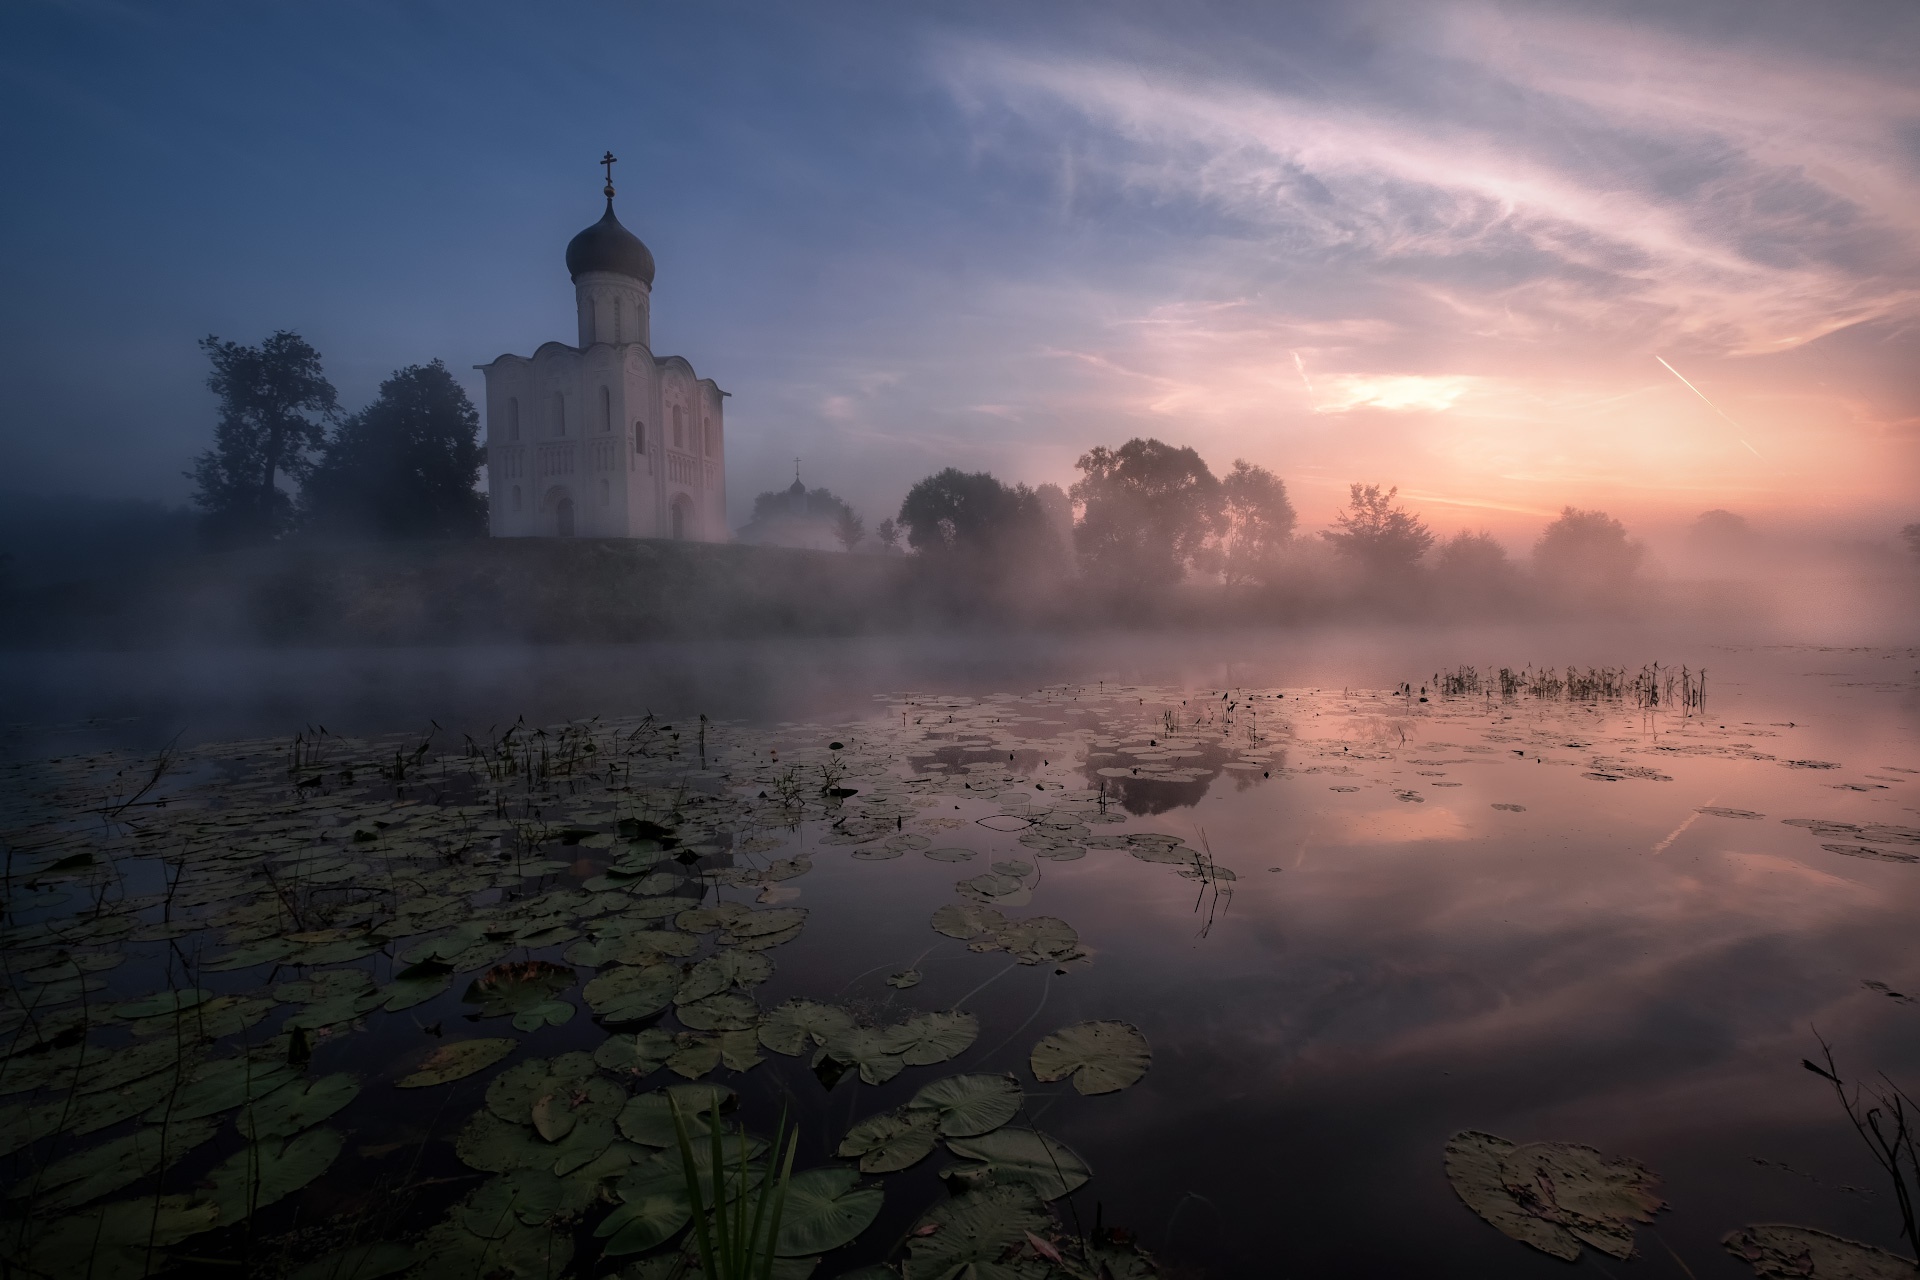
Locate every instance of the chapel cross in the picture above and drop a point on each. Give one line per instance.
(609, 160)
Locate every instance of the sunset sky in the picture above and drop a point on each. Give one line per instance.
(1444, 246)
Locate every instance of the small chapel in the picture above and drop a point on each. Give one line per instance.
(604, 439)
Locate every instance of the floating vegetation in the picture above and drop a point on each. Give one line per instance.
(1779, 1252)
(1555, 1196)
(1101, 1057)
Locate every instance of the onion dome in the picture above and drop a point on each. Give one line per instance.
(608, 246)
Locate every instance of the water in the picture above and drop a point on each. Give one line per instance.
(1396, 959)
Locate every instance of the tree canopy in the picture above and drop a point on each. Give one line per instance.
(954, 512)
(812, 518)
(275, 404)
(1385, 538)
(1150, 512)
(1585, 552)
(405, 466)
(1257, 522)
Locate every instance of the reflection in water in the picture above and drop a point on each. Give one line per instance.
(1543, 919)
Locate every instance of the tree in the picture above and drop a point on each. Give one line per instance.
(1586, 553)
(849, 528)
(1257, 522)
(887, 534)
(274, 408)
(1720, 530)
(796, 517)
(1912, 534)
(1386, 539)
(967, 513)
(1150, 511)
(1473, 567)
(405, 466)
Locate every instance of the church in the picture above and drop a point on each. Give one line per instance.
(605, 439)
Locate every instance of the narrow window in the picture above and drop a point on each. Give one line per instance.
(559, 414)
(679, 431)
(706, 438)
(513, 417)
(606, 409)
(639, 436)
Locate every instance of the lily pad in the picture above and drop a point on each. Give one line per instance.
(450, 1252)
(629, 993)
(872, 1049)
(969, 1234)
(526, 990)
(1554, 1196)
(267, 1172)
(904, 979)
(729, 1011)
(638, 1054)
(97, 1171)
(967, 1106)
(721, 972)
(1780, 1252)
(1102, 1057)
(358, 1262)
(1026, 1158)
(797, 1025)
(825, 1208)
(297, 1105)
(113, 1242)
(222, 1085)
(512, 1093)
(457, 1061)
(927, 1038)
(891, 1141)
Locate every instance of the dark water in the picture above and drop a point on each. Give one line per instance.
(1395, 960)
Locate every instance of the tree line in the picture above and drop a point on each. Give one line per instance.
(404, 466)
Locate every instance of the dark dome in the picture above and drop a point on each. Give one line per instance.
(608, 246)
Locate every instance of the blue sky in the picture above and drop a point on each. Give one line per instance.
(1434, 245)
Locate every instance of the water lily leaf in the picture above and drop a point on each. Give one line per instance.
(1027, 1158)
(825, 1208)
(638, 1054)
(927, 1038)
(891, 1141)
(696, 1056)
(416, 986)
(334, 1010)
(965, 920)
(718, 973)
(113, 1242)
(97, 1171)
(647, 1118)
(797, 1025)
(296, 1105)
(874, 1050)
(740, 1049)
(267, 1172)
(1554, 1196)
(527, 990)
(451, 1252)
(970, 1105)
(904, 979)
(707, 919)
(127, 1065)
(729, 1011)
(1780, 1252)
(525, 1196)
(628, 994)
(645, 1222)
(221, 1085)
(950, 855)
(756, 924)
(991, 886)
(1100, 1056)
(493, 1145)
(163, 1003)
(1039, 940)
(358, 1262)
(457, 1061)
(969, 1234)
(512, 1093)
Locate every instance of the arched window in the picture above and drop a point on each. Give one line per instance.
(606, 409)
(639, 436)
(516, 497)
(706, 439)
(513, 417)
(559, 414)
(679, 430)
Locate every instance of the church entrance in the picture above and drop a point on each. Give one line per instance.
(563, 517)
(681, 514)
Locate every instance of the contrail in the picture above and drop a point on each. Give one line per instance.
(1301, 365)
(1710, 404)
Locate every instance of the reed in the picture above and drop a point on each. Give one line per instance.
(736, 1228)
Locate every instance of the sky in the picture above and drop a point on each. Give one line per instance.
(1652, 258)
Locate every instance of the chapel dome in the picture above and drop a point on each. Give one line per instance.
(608, 246)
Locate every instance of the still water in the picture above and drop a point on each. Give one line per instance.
(1350, 921)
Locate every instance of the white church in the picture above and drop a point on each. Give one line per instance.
(605, 439)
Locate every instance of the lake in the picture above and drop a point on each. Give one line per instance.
(1349, 917)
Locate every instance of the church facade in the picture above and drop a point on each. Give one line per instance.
(604, 439)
